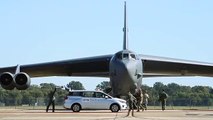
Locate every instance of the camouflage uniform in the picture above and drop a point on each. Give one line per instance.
(145, 100)
(51, 101)
(139, 98)
(131, 100)
(162, 98)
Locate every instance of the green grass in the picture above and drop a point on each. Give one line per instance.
(182, 107)
(29, 107)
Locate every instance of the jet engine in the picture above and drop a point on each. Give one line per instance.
(22, 81)
(7, 81)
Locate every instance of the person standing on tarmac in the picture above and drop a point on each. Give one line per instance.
(145, 100)
(139, 97)
(162, 98)
(51, 101)
(131, 100)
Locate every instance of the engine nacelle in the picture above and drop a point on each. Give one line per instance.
(7, 81)
(22, 81)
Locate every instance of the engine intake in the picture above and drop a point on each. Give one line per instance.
(22, 81)
(7, 81)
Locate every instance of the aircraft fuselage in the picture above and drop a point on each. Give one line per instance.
(125, 72)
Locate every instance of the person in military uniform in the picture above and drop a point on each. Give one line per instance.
(139, 97)
(51, 100)
(162, 98)
(145, 100)
(131, 100)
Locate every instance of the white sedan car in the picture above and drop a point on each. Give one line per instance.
(78, 100)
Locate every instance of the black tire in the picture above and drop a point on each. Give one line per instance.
(76, 107)
(114, 107)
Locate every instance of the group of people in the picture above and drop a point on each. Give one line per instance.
(140, 100)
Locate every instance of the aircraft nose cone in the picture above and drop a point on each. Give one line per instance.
(129, 68)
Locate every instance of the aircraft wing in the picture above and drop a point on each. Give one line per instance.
(91, 66)
(164, 67)
(99, 66)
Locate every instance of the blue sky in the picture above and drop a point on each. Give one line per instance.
(50, 30)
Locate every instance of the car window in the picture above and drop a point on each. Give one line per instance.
(88, 94)
(100, 95)
(75, 93)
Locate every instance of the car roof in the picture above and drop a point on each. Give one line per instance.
(90, 91)
(85, 91)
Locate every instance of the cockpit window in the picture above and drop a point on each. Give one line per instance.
(125, 55)
(133, 56)
(119, 56)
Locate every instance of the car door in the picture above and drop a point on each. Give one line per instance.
(102, 101)
(88, 101)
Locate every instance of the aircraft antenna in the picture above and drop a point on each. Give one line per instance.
(125, 29)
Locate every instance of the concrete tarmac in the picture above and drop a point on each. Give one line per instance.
(19, 114)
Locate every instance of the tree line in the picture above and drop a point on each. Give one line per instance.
(179, 95)
(36, 94)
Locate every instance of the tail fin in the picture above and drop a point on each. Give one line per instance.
(125, 30)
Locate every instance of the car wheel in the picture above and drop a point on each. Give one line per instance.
(76, 107)
(114, 107)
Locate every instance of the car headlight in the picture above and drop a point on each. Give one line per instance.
(122, 101)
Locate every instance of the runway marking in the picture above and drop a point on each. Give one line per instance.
(106, 115)
(66, 118)
(192, 114)
(208, 114)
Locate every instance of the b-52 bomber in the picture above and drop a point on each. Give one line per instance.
(124, 68)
